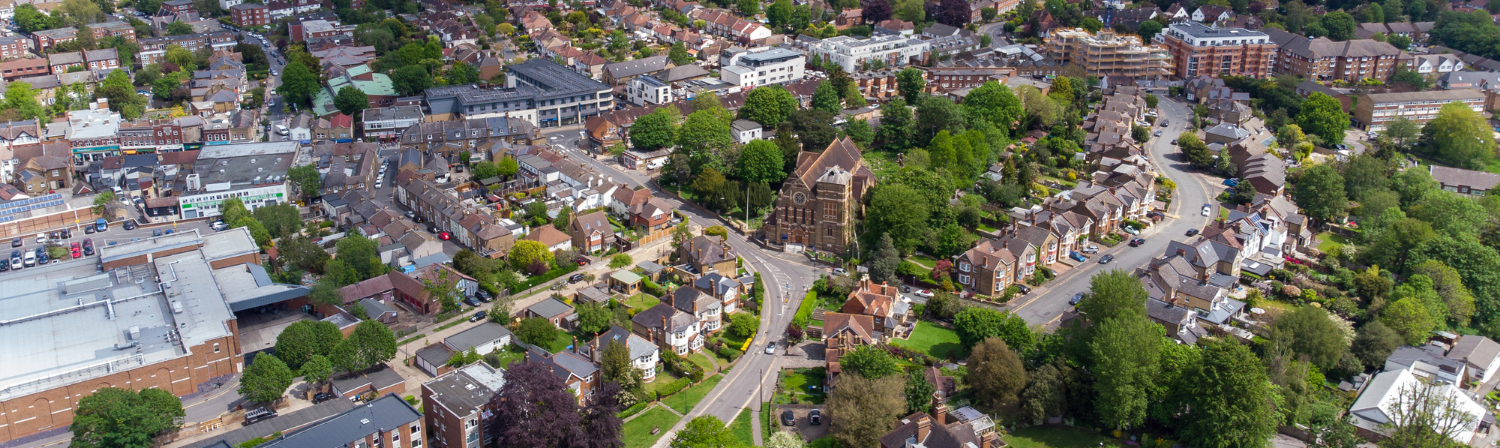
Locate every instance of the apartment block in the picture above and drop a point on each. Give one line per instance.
(12, 47)
(1374, 110)
(249, 14)
(1109, 54)
(853, 54)
(458, 403)
(646, 90)
(759, 68)
(1197, 49)
(1325, 60)
(154, 49)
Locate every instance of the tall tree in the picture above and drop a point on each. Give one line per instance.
(655, 130)
(1323, 116)
(351, 100)
(884, 261)
(1228, 399)
(300, 341)
(411, 79)
(1114, 294)
(265, 380)
(120, 418)
(1125, 353)
(876, 11)
(860, 410)
(535, 409)
(826, 98)
(870, 362)
(602, 423)
(918, 391)
(1459, 136)
(1426, 414)
(976, 324)
(370, 344)
(298, 83)
(995, 373)
(768, 106)
(898, 211)
(1313, 334)
(1320, 192)
(911, 82)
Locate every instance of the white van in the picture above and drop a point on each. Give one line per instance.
(281, 130)
(30, 259)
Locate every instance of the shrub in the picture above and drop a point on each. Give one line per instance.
(672, 388)
(729, 353)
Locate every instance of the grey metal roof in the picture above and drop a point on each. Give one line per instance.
(283, 423)
(374, 308)
(381, 415)
(551, 308)
(435, 354)
(482, 334)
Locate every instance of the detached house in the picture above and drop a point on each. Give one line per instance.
(581, 376)
(880, 301)
(707, 309)
(668, 328)
(592, 233)
(843, 333)
(643, 354)
(988, 268)
(709, 253)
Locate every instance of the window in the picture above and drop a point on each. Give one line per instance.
(216, 347)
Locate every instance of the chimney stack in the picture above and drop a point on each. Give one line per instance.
(989, 440)
(924, 426)
(939, 409)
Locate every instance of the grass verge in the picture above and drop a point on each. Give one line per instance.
(637, 432)
(742, 429)
(685, 400)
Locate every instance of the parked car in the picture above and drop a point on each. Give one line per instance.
(478, 316)
(77, 250)
(15, 242)
(1023, 288)
(1076, 298)
(1192, 232)
(1106, 259)
(1174, 142)
(575, 278)
(924, 293)
(41, 238)
(788, 419)
(1130, 230)
(1091, 249)
(130, 224)
(15, 259)
(840, 271)
(257, 415)
(470, 301)
(155, 232)
(41, 256)
(322, 397)
(89, 230)
(219, 226)
(1137, 242)
(4, 265)
(1077, 257)
(815, 417)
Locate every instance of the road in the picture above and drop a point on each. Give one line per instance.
(787, 278)
(1046, 305)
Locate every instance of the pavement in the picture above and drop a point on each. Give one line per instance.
(1046, 305)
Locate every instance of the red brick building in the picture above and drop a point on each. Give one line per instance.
(249, 14)
(1200, 50)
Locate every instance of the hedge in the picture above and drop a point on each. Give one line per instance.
(672, 388)
(633, 410)
(804, 311)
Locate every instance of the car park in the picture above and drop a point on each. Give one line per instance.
(1076, 298)
(1106, 259)
(478, 316)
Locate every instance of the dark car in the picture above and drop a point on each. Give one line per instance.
(130, 224)
(155, 232)
(1192, 232)
(575, 278)
(478, 316)
(322, 397)
(1106, 259)
(815, 417)
(53, 235)
(259, 414)
(470, 301)
(4, 265)
(1024, 289)
(89, 230)
(15, 242)
(787, 419)
(66, 233)
(41, 256)
(1137, 242)
(1076, 298)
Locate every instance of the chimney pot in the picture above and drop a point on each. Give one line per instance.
(924, 427)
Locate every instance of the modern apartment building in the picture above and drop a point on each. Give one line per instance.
(1109, 54)
(539, 91)
(1325, 60)
(255, 173)
(853, 54)
(646, 90)
(458, 403)
(388, 122)
(1197, 49)
(1374, 110)
(759, 68)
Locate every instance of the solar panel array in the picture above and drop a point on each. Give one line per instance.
(7, 210)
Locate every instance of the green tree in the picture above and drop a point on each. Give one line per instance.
(898, 211)
(993, 102)
(302, 340)
(1373, 342)
(593, 318)
(306, 179)
(1364, 173)
(298, 83)
(410, 80)
(704, 137)
(679, 55)
(120, 418)
(1126, 353)
(370, 344)
(461, 73)
(362, 255)
(826, 98)
(743, 325)
(995, 373)
(768, 106)
(918, 391)
(1313, 334)
(870, 362)
(1114, 294)
(536, 331)
(1228, 399)
(779, 14)
(760, 161)
(620, 261)
(179, 28)
(976, 324)
(704, 432)
(317, 369)
(1320, 192)
(1459, 136)
(860, 410)
(1323, 116)
(1340, 26)
(1046, 394)
(265, 380)
(912, 82)
(1401, 130)
(351, 100)
(1409, 318)
(655, 130)
(884, 261)
(1195, 150)
(526, 253)
(20, 96)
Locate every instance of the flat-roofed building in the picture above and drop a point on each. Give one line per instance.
(854, 54)
(759, 68)
(538, 91)
(254, 173)
(1201, 50)
(458, 407)
(1109, 54)
(1374, 110)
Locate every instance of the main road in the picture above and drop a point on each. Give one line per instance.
(787, 278)
(1047, 305)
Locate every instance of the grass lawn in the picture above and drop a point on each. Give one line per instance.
(1056, 436)
(824, 442)
(1328, 240)
(637, 432)
(881, 163)
(742, 429)
(799, 380)
(934, 340)
(923, 260)
(702, 361)
(641, 302)
(685, 400)
(662, 380)
(510, 353)
(561, 342)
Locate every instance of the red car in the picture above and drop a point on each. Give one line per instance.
(77, 251)
(445, 236)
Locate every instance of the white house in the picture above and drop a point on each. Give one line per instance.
(1427, 361)
(1437, 64)
(745, 131)
(1480, 354)
(644, 90)
(1387, 395)
(853, 54)
(763, 67)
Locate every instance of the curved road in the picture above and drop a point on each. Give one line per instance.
(787, 278)
(1046, 305)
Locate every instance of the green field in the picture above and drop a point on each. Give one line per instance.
(934, 340)
(799, 380)
(742, 429)
(685, 400)
(642, 301)
(1057, 437)
(637, 432)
